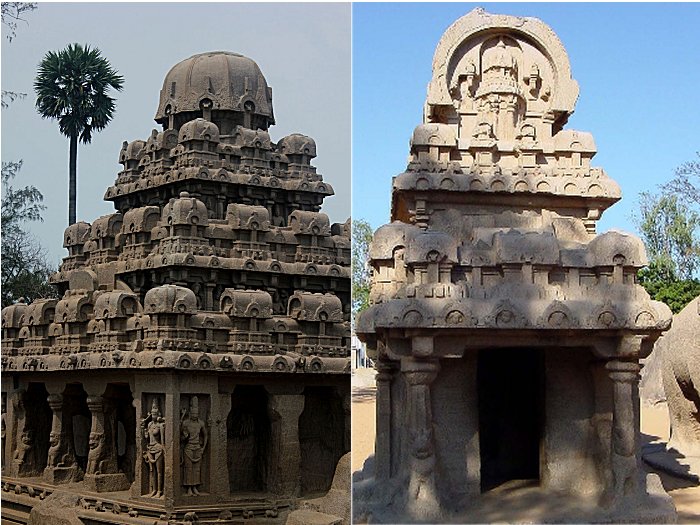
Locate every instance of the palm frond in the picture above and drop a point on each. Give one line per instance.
(73, 87)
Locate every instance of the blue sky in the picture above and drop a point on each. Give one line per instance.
(637, 65)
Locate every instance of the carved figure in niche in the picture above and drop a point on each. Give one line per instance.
(193, 432)
(467, 86)
(24, 447)
(153, 429)
(97, 454)
(534, 81)
(498, 61)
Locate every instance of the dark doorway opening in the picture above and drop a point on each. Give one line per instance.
(75, 403)
(38, 426)
(248, 439)
(511, 406)
(321, 437)
(121, 402)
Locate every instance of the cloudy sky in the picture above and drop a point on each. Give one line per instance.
(302, 49)
(637, 65)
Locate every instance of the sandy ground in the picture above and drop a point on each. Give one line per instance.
(655, 428)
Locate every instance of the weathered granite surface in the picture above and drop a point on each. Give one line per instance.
(507, 333)
(679, 362)
(196, 368)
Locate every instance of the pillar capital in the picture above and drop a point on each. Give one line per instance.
(630, 346)
(285, 405)
(95, 403)
(420, 371)
(385, 369)
(623, 371)
(55, 402)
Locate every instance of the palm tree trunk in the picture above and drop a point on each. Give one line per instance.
(72, 177)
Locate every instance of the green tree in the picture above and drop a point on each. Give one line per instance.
(25, 270)
(361, 271)
(686, 183)
(72, 86)
(669, 230)
(669, 224)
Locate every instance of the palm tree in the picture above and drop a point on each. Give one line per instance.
(72, 87)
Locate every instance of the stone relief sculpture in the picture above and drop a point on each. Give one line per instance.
(193, 432)
(98, 456)
(186, 287)
(153, 428)
(61, 462)
(22, 456)
(492, 273)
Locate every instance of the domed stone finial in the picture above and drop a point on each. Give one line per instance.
(225, 88)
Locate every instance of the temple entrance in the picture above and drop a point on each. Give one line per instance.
(511, 414)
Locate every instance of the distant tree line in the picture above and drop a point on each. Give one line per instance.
(669, 224)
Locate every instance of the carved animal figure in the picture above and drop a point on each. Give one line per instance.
(59, 453)
(681, 377)
(24, 446)
(99, 457)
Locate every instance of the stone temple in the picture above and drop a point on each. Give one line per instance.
(196, 368)
(507, 334)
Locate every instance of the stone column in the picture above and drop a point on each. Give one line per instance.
(101, 474)
(15, 426)
(345, 394)
(218, 472)
(382, 445)
(284, 473)
(61, 466)
(141, 469)
(99, 455)
(172, 488)
(209, 296)
(422, 502)
(625, 427)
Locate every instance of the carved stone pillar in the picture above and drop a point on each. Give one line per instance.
(209, 296)
(141, 470)
(625, 427)
(346, 397)
(284, 474)
(172, 444)
(20, 441)
(61, 466)
(219, 480)
(101, 474)
(422, 502)
(382, 446)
